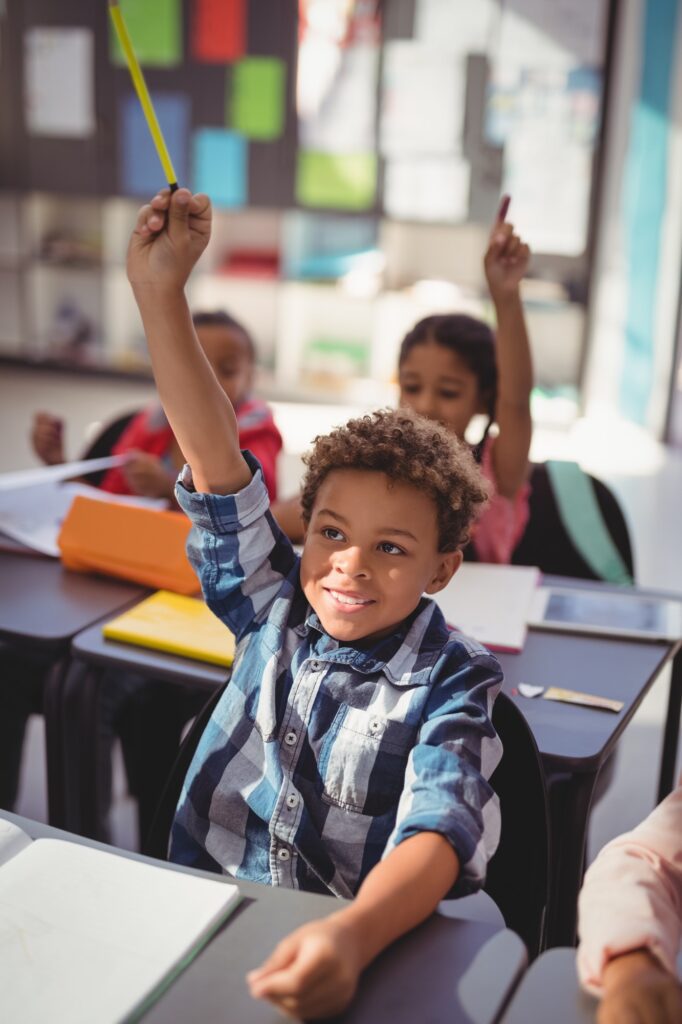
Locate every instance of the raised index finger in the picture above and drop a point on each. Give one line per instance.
(502, 209)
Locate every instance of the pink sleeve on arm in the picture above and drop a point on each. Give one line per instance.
(500, 526)
(632, 895)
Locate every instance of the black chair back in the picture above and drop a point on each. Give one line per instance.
(103, 444)
(518, 874)
(546, 542)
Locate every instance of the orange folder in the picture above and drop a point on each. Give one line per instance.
(140, 544)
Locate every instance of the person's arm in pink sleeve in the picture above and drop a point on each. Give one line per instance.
(630, 916)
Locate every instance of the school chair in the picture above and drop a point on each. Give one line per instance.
(576, 526)
(102, 444)
(518, 874)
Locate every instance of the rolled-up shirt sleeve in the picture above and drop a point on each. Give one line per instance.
(632, 895)
(446, 787)
(242, 558)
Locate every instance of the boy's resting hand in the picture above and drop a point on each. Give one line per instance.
(47, 433)
(505, 262)
(147, 476)
(313, 972)
(170, 235)
(638, 990)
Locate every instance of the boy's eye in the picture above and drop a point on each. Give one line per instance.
(331, 533)
(410, 389)
(450, 395)
(390, 549)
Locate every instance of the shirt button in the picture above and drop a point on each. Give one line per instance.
(292, 800)
(283, 854)
(315, 666)
(374, 726)
(290, 738)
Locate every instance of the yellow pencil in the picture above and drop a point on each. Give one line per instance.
(142, 93)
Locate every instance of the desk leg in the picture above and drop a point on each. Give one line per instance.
(87, 766)
(54, 741)
(666, 779)
(570, 798)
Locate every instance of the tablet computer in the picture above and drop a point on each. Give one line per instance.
(606, 613)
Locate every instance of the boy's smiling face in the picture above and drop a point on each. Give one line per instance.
(371, 551)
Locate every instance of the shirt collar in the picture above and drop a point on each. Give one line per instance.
(415, 644)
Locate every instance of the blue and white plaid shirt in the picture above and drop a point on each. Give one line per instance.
(321, 757)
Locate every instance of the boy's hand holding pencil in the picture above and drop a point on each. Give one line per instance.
(170, 235)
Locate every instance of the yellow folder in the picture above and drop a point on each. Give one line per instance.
(177, 624)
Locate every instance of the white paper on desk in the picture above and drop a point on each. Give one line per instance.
(491, 603)
(34, 515)
(89, 935)
(63, 471)
(59, 82)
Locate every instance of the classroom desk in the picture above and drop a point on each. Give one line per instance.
(549, 990)
(42, 607)
(450, 969)
(575, 742)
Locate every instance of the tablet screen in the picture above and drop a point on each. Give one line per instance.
(644, 615)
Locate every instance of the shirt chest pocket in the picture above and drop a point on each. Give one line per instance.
(363, 761)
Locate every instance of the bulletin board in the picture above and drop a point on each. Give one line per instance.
(415, 110)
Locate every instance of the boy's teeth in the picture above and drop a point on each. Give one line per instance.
(345, 599)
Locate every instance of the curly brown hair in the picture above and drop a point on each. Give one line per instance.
(411, 449)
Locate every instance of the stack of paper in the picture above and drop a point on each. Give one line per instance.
(491, 603)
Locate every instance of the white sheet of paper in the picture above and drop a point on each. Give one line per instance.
(344, 121)
(86, 935)
(491, 603)
(422, 101)
(63, 471)
(457, 28)
(59, 82)
(559, 35)
(428, 189)
(34, 515)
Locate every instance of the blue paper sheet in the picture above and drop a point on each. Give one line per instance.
(140, 170)
(220, 166)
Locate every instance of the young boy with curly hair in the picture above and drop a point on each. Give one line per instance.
(351, 750)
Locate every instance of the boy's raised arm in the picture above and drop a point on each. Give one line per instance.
(170, 235)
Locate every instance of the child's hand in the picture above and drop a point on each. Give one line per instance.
(506, 261)
(637, 989)
(312, 973)
(147, 476)
(47, 438)
(170, 235)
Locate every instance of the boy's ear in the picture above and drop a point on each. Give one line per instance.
(450, 562)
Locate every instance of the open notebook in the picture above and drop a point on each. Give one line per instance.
(177, 624)
(87, 935)
(491, 603)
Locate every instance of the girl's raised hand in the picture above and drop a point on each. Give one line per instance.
(507, 258)
(170, 235)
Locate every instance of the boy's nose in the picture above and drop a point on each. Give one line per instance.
(425, 405)
(352, 562)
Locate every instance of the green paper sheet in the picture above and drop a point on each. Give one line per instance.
(155, 28)
(257, 107)
(341, 182)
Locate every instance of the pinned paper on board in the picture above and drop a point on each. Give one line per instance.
(59, 82)
(257, 104)
(341, 181)
(218, 30)
(422, 100)
(140, 170)
(428, 189)
(457, 28)
(220, 166)
(155, 27)
(557, 36)
(343, 119)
